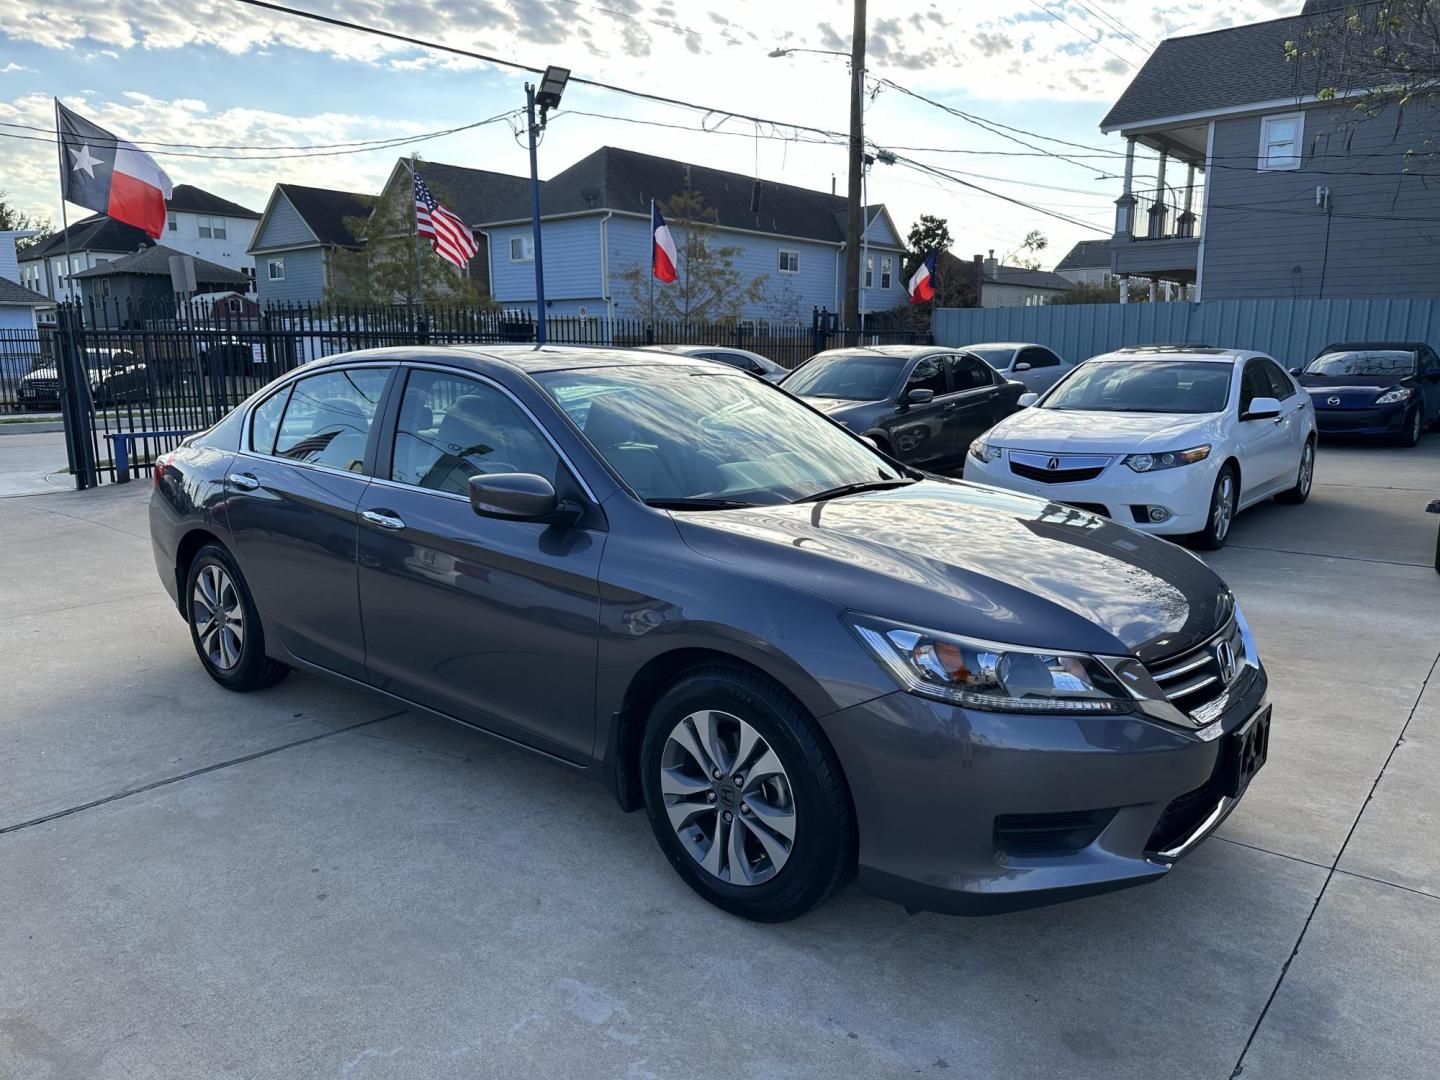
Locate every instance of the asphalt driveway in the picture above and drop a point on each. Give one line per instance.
(307, 883)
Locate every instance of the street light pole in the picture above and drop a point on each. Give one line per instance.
(854, 218)
(535, 219)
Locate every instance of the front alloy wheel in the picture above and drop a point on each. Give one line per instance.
(1222, 510)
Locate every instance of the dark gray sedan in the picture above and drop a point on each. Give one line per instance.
(921, 404)
(802, 658)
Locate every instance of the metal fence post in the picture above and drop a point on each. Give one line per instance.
(76, 405)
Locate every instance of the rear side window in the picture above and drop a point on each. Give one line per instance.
(327, 420)
(452, 427)
(265, 422)
(1037, 358)
(1279, 382)
(739, 360)
(969, 372)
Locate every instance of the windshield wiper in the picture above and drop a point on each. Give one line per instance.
(852, 489)
(699, 504)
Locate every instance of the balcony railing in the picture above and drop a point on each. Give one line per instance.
(1161, 215)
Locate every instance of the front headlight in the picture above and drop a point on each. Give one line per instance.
(981, 450)
(988, 675)
(1394, 397)
(1171, 459)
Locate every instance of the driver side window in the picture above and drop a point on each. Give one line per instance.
(927, 375)
(452, 427)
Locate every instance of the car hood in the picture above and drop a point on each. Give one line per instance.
(1074, 431)
(978, 561)
(42, 373)
(830, 406)
(1350, 389)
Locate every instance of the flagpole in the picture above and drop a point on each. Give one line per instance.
(79, 446)
(64, 215)
(415, 243)
(652, 266)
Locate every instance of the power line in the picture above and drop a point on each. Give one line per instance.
(946, 175)
(1117, 25)
(1061, 18)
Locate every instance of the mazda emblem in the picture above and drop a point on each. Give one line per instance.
(1332, 401)
(1225, 657)
(1053, 463)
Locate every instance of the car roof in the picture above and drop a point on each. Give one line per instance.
(1178, 352)
(528, 359)
(1355, 346)
(895, 352)
(1002, 345)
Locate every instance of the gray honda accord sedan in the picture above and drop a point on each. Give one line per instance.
(804, 660)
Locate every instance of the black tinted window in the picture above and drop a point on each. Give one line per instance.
(328, 418)
(452, 428)
(265, 421)
(969, 372)
(1038, 358)
(738, 360)
(1280, 383)
(928, 374)
(1396, 362)
(1254, 383)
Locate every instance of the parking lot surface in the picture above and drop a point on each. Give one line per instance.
(308, 882)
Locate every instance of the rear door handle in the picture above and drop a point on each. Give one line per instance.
(243, 481)
(383, 520)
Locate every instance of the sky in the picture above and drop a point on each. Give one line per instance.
(235, 98)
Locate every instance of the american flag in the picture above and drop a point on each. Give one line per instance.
(449, 236)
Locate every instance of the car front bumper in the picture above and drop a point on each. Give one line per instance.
(1372, 420)
(1184, 492)
(970, 812)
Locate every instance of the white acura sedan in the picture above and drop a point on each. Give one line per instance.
(1173, 440)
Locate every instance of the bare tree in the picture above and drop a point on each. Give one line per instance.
(13, 218)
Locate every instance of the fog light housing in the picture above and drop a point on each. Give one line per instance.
(1159, 514)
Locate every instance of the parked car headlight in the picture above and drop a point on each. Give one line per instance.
(1394, 397)
(1171, 459)
(981, 450)
(988, 675)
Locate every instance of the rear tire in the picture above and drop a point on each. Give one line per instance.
(1414, 428)
(780, 840)
(224, 625)
(1223, 501)
(1304, 478)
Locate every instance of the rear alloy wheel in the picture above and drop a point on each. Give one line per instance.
(1223, 501)
(1414, 428)
(745, 796)
(224, 625)
(1303, 478)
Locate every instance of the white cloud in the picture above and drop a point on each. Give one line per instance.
(12, 68)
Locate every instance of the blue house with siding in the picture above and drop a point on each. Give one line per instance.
(296, 239)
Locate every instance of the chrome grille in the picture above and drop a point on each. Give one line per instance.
(1193, 679)
(1057, 468)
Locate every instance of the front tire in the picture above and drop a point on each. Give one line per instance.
(745, 795)
(1223, 500)
(1414, 428)
(224, 625)
(1303, 479)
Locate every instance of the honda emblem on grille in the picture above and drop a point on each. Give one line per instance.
(1332, 400)
(1225, 657)
(1053, 463)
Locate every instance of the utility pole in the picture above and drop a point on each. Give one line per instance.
(534, 131)
(854, 219)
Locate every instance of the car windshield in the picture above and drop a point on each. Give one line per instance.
(848, 376)
(1146, 386)
(704, 441)
(1385, 362)
(997, 358)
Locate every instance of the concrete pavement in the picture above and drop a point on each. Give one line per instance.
(307, 883)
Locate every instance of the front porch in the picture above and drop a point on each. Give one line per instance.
(1158, 229)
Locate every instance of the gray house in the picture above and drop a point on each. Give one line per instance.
(127, 288)
(1087, 263)
(296, 239)
(1262, 187)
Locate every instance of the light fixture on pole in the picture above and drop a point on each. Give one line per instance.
(552, 86)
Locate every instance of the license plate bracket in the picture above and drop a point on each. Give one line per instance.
(1244, 752)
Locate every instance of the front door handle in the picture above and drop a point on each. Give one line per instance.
(383, 520)
(243, 481)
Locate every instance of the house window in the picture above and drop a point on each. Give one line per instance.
(887, 268)
(171, 224)
(275, 268)
(1280, 141)
(212, 228)
(869, 271)
(522, 249)
(233, 304)
(789, 262)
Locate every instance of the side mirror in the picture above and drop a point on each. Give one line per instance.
(1026, 400)
(919, 397)
(518, 497)
(1297, 371)
(1022, 366)
(1261, 408)
(1433, 375)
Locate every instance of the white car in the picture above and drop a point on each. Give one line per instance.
(760, 366)
(1037, 367)
(1168, 440)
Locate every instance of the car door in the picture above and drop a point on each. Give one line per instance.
(1429, 368)
(292, 496)
(1292, 410)
(1265, 452)
(977, 400)
(493, 622)
(1045, 368)
(917, 432)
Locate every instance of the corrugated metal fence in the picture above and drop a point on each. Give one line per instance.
(1292, 331)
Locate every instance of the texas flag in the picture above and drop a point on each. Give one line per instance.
(922, 282)
(106, 173)
(663, 259)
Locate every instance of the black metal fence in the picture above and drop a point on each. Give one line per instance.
(132, 381)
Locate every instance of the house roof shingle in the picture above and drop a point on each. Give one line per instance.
(1086, 255)
(325, 210)
(13, 293)
(156, 261)
(94, 233)
(1221, 69)
(190, 199)
(476, 195)
(1031, 279)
